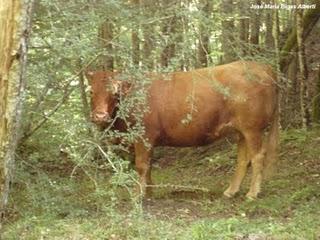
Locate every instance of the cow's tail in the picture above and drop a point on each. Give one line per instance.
(272, 143)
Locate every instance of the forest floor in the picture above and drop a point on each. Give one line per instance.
(188, 203)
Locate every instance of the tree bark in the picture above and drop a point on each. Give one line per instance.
(255, 25)
(15, 23)
(227, 37)
(106, 36)
(135, 41)
(82, 88)
(168, 52)
(203, 46)
(291, 93)
(244, 27)
(269, 26)
(316, 100)
(309, 20)
(304, 92)
(276, 35)
(148, 30)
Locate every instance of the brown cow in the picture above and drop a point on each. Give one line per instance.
(240, 96)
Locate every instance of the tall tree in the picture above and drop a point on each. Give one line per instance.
(309, 20)
(106, 36)
(255, 25)
(316, 100)
(243, 27)
(276, 34)
(169, 49)
(291, 94)
(169, 31)
(15, 24)
(304, 92)
(135, 41)
(203, 46)
(227, 37)
(269, 26)
(148, 29)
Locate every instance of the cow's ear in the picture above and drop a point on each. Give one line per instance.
(88, 74)
(115, 87)
(120, 87)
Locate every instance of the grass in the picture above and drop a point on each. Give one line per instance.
(46, 203)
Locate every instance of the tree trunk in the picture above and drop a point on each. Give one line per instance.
(203, 46)
(269, 26)
(255, 25)
(290, 109)
(227, 37)
(309, 20)
(82, 88)
(135, 41)
(169, 30)
(148, 30)
(106, 36)
(15, 22)
(276, 35)
(304, 93)
(316, 100)
(243, 27)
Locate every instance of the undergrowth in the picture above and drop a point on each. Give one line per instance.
(52, 201)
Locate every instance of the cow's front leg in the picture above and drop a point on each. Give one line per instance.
(143, 167)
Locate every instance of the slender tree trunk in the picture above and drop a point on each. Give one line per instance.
(82, 88)
(168, 52)
(15, 22)
(255, 25)
(186, 61)
(169, 31)
(244, 27)
(135, 41)
(304, 93)
(276, 34)
(316, 100)
(269, 26)
(292, 94)
(106, 36)
(148, 30)
(227, 37)
(147, 46)
(203, 46)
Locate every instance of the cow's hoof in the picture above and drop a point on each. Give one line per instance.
(229, 194)
(251, 196)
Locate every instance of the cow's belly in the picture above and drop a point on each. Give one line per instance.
(194, 134)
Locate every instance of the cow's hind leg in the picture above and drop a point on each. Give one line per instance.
(256, 155)
(143, 167)
(241, 169)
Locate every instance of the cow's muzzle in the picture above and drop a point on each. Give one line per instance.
(100, 117)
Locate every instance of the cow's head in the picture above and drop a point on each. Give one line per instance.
(104, 95)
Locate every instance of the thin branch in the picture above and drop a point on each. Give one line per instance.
(64, 98)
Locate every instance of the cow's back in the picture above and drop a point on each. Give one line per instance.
(196, 107)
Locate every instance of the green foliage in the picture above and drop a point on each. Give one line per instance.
(50, 202)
